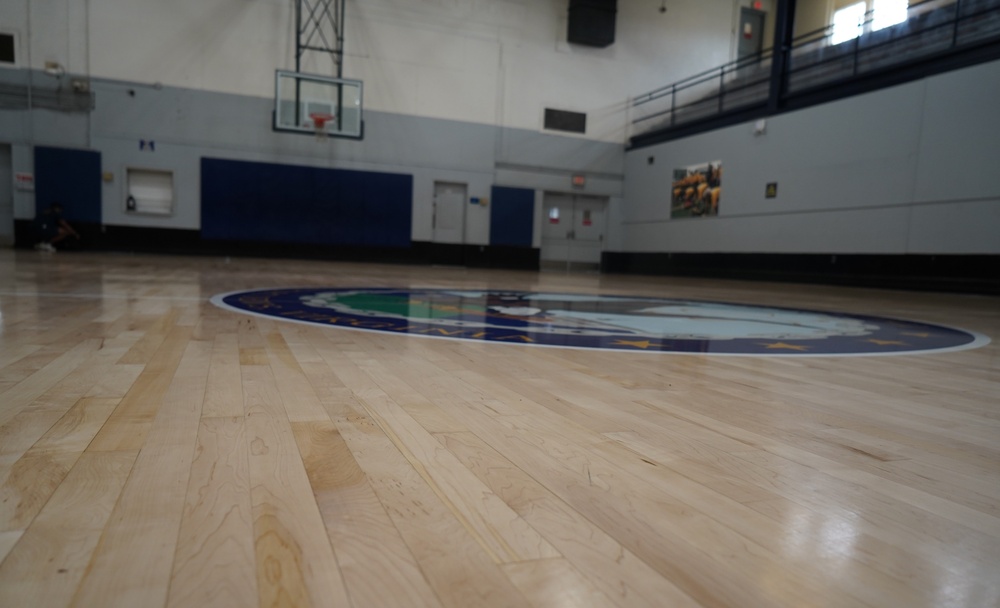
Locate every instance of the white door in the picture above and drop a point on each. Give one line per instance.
(6, 197)
(573, 230)
(449, 212)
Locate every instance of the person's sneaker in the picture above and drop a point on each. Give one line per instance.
(40, 246)
(48, 247)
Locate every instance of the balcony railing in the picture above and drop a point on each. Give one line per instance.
(932, 28)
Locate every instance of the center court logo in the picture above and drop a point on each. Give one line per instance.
(624, 323)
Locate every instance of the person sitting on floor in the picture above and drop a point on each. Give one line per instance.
(52, 228)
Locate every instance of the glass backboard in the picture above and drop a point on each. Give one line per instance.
(318, 105)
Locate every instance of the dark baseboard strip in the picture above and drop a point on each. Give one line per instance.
(948, 273)
(189, 242)
(478, 256)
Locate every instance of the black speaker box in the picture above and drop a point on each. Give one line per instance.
(592, 22)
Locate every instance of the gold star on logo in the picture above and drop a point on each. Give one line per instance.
(886, 342)
(636, 343)
(782, 345)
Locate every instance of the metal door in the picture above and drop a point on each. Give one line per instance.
(750, 33)
(449, 212)
(573, 231)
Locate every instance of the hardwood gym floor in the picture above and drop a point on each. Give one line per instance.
(158, 451)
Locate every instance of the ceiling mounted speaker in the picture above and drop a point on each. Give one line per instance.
(592, 22)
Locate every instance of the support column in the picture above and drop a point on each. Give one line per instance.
(784, 33)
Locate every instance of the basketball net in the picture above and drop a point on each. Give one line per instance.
(319, 123)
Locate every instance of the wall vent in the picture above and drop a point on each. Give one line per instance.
(564, 120)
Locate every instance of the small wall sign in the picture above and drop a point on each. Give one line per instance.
(772, 190)
(25, 181)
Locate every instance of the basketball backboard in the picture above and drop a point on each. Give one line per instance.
(299, 97)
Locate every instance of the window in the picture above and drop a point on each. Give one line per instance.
(7, 48)
(888, 12)
(849, 21)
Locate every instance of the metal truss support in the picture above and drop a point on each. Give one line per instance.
(319, 27)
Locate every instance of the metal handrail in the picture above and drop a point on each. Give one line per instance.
(799, 42)
(674, 107)
(701, 77)
(859, 42)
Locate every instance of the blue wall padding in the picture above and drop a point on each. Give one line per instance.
(71, 178)
(512, 215)
(252, 201)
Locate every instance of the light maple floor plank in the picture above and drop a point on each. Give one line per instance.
(554, 582)
(379, 569)
(51, 558)
(296, 565)
(214, 564)
(158, 451)
(132, 563)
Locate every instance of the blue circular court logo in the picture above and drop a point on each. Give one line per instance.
(623, 323)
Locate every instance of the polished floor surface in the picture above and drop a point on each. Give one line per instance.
(157, 450)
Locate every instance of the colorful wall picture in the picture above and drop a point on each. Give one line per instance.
(696, 190)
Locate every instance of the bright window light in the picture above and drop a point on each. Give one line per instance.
(889, 12)
(848, 22)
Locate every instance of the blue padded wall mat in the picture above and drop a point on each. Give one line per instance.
(512, 216)
(72, 178)
(254, 201)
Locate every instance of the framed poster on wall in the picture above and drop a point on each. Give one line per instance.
(696, 190)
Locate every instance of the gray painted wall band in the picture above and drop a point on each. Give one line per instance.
(188, 124)
(907, 169)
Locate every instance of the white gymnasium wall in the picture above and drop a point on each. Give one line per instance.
(496, 62)
(811, 15)
(48, 31)
(909, 169)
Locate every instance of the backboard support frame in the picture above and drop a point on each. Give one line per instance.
(319, 27)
